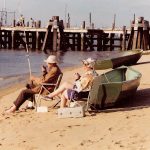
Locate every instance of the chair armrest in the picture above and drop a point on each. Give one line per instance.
(48, 84)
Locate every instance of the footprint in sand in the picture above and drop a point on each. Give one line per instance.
(82, 144)
(28, 121)
(7, 117)
(101, 139)
(57, 131)
(9, 122)
(54, 131)
(87, 142)
(118, 142)
(110, 129)
(74, 126)
(121, 145)
(60, 145)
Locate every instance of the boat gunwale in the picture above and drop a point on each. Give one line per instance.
(138, 51)
(121, 81)
(122, 67)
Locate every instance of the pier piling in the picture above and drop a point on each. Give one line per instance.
(139, 37)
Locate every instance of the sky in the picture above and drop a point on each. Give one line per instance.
(102, 10)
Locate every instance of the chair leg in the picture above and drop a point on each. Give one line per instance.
(34, 102)
(38, 98)
(54, 105)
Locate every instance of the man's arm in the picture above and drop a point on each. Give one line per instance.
(50, 75)
(37, 80)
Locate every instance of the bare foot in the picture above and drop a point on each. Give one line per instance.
(47, 98)
(11, 110)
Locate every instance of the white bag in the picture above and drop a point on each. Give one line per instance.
(42, 109)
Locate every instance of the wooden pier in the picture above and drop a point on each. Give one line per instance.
(56, 38)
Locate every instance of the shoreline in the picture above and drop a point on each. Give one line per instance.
(10, 89)
(14, 87)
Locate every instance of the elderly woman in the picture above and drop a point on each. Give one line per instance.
(75, 90)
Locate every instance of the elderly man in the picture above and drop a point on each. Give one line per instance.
(50, 75)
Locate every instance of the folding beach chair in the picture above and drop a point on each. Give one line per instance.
(48, 89)
(93, 98)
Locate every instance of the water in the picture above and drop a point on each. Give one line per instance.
(14, 66)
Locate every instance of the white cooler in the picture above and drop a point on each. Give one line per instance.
(69, 112)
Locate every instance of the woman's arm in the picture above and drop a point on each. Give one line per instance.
(84, 83)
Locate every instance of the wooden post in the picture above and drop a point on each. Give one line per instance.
(79, 42)
(114, 23)
(55, 39)
(55, 27)
(73, 41)
(82, 41)
(105, 41)
(0, 38)
(124, 38)
(139, 37)
(12, 42)
(58, 41)
(46, 38)
(90, 19)
(9, 39)
(61, 35)
(99, 40)
(83, 25)
(37, 35)
(146, 45)
(111, 41)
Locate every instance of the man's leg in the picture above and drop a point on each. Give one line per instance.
(23, 96)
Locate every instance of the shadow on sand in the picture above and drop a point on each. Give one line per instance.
(139, 101)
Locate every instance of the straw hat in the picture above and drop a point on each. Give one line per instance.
(51, 59)
(89, 62)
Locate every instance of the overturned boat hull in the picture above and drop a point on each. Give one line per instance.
(126, 58)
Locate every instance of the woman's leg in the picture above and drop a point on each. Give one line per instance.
(61, 89)
(64, 99)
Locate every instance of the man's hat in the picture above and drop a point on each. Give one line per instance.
(51, 59)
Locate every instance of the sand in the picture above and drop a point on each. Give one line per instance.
(123, 128)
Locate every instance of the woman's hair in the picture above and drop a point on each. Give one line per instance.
(89, 62)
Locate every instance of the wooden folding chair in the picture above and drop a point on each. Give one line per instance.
(45, 86)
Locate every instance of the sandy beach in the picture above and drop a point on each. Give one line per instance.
(124, 128)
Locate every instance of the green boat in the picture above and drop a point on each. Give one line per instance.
(114, 86)
(126, 58)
